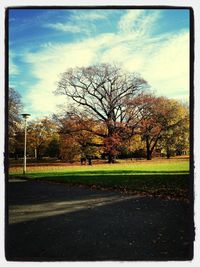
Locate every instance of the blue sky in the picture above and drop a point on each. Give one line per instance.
(45, 42)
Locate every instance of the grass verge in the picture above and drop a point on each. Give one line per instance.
(168, 179)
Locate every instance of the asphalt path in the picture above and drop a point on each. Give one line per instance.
(56, 222)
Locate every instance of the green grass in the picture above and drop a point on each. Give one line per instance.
(123, 167)
(169, 177)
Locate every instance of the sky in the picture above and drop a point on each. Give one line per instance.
(43, 43)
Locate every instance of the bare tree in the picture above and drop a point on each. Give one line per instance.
(14, 120)
(14, 108)
(106, 93)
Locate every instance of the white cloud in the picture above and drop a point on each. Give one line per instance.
(138, 21)
(129, 19)
(47, 65)
(13, 68)
(163, 61)
(168, 71)
(78, 22)
(41, 101)
(67, 27)
(89, 16)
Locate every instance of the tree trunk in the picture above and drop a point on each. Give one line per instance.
(148, 155)
(168, 153)
(110, 158)
(39, 156)
(149, 152)
(110, 135)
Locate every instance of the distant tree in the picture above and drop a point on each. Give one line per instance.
(105, 94)
(19, 144)
(133, 148)
(75, 141)
(182, 144)
(162, 118)
(175, 139)
(14, 120)
(39, 135)
(69, 148)
(53, 148)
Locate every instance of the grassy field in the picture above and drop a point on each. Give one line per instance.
(169, 178)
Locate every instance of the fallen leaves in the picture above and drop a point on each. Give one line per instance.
(162, 192)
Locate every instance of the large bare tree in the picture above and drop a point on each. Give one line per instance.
(106, 93)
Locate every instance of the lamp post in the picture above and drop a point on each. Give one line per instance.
(25, 116)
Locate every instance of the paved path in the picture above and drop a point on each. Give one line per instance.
(55, 222)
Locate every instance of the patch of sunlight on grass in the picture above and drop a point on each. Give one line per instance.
(129, 168)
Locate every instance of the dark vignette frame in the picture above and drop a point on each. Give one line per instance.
(191, 105)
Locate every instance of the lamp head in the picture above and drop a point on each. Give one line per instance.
(25, 115)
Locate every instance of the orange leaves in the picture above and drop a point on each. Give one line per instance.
(111, 144)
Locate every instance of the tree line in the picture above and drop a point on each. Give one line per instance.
(109, 113)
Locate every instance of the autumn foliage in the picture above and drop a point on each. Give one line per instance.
(110, 113)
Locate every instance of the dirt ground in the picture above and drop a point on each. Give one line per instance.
(56, 222)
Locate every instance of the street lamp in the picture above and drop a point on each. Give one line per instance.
(25, 116)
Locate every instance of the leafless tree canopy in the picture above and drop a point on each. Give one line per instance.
(14, 108)
(104, 90)
(108, 96)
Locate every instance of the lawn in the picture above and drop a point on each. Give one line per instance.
(167, 178)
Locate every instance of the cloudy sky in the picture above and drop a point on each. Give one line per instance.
(45, 42)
